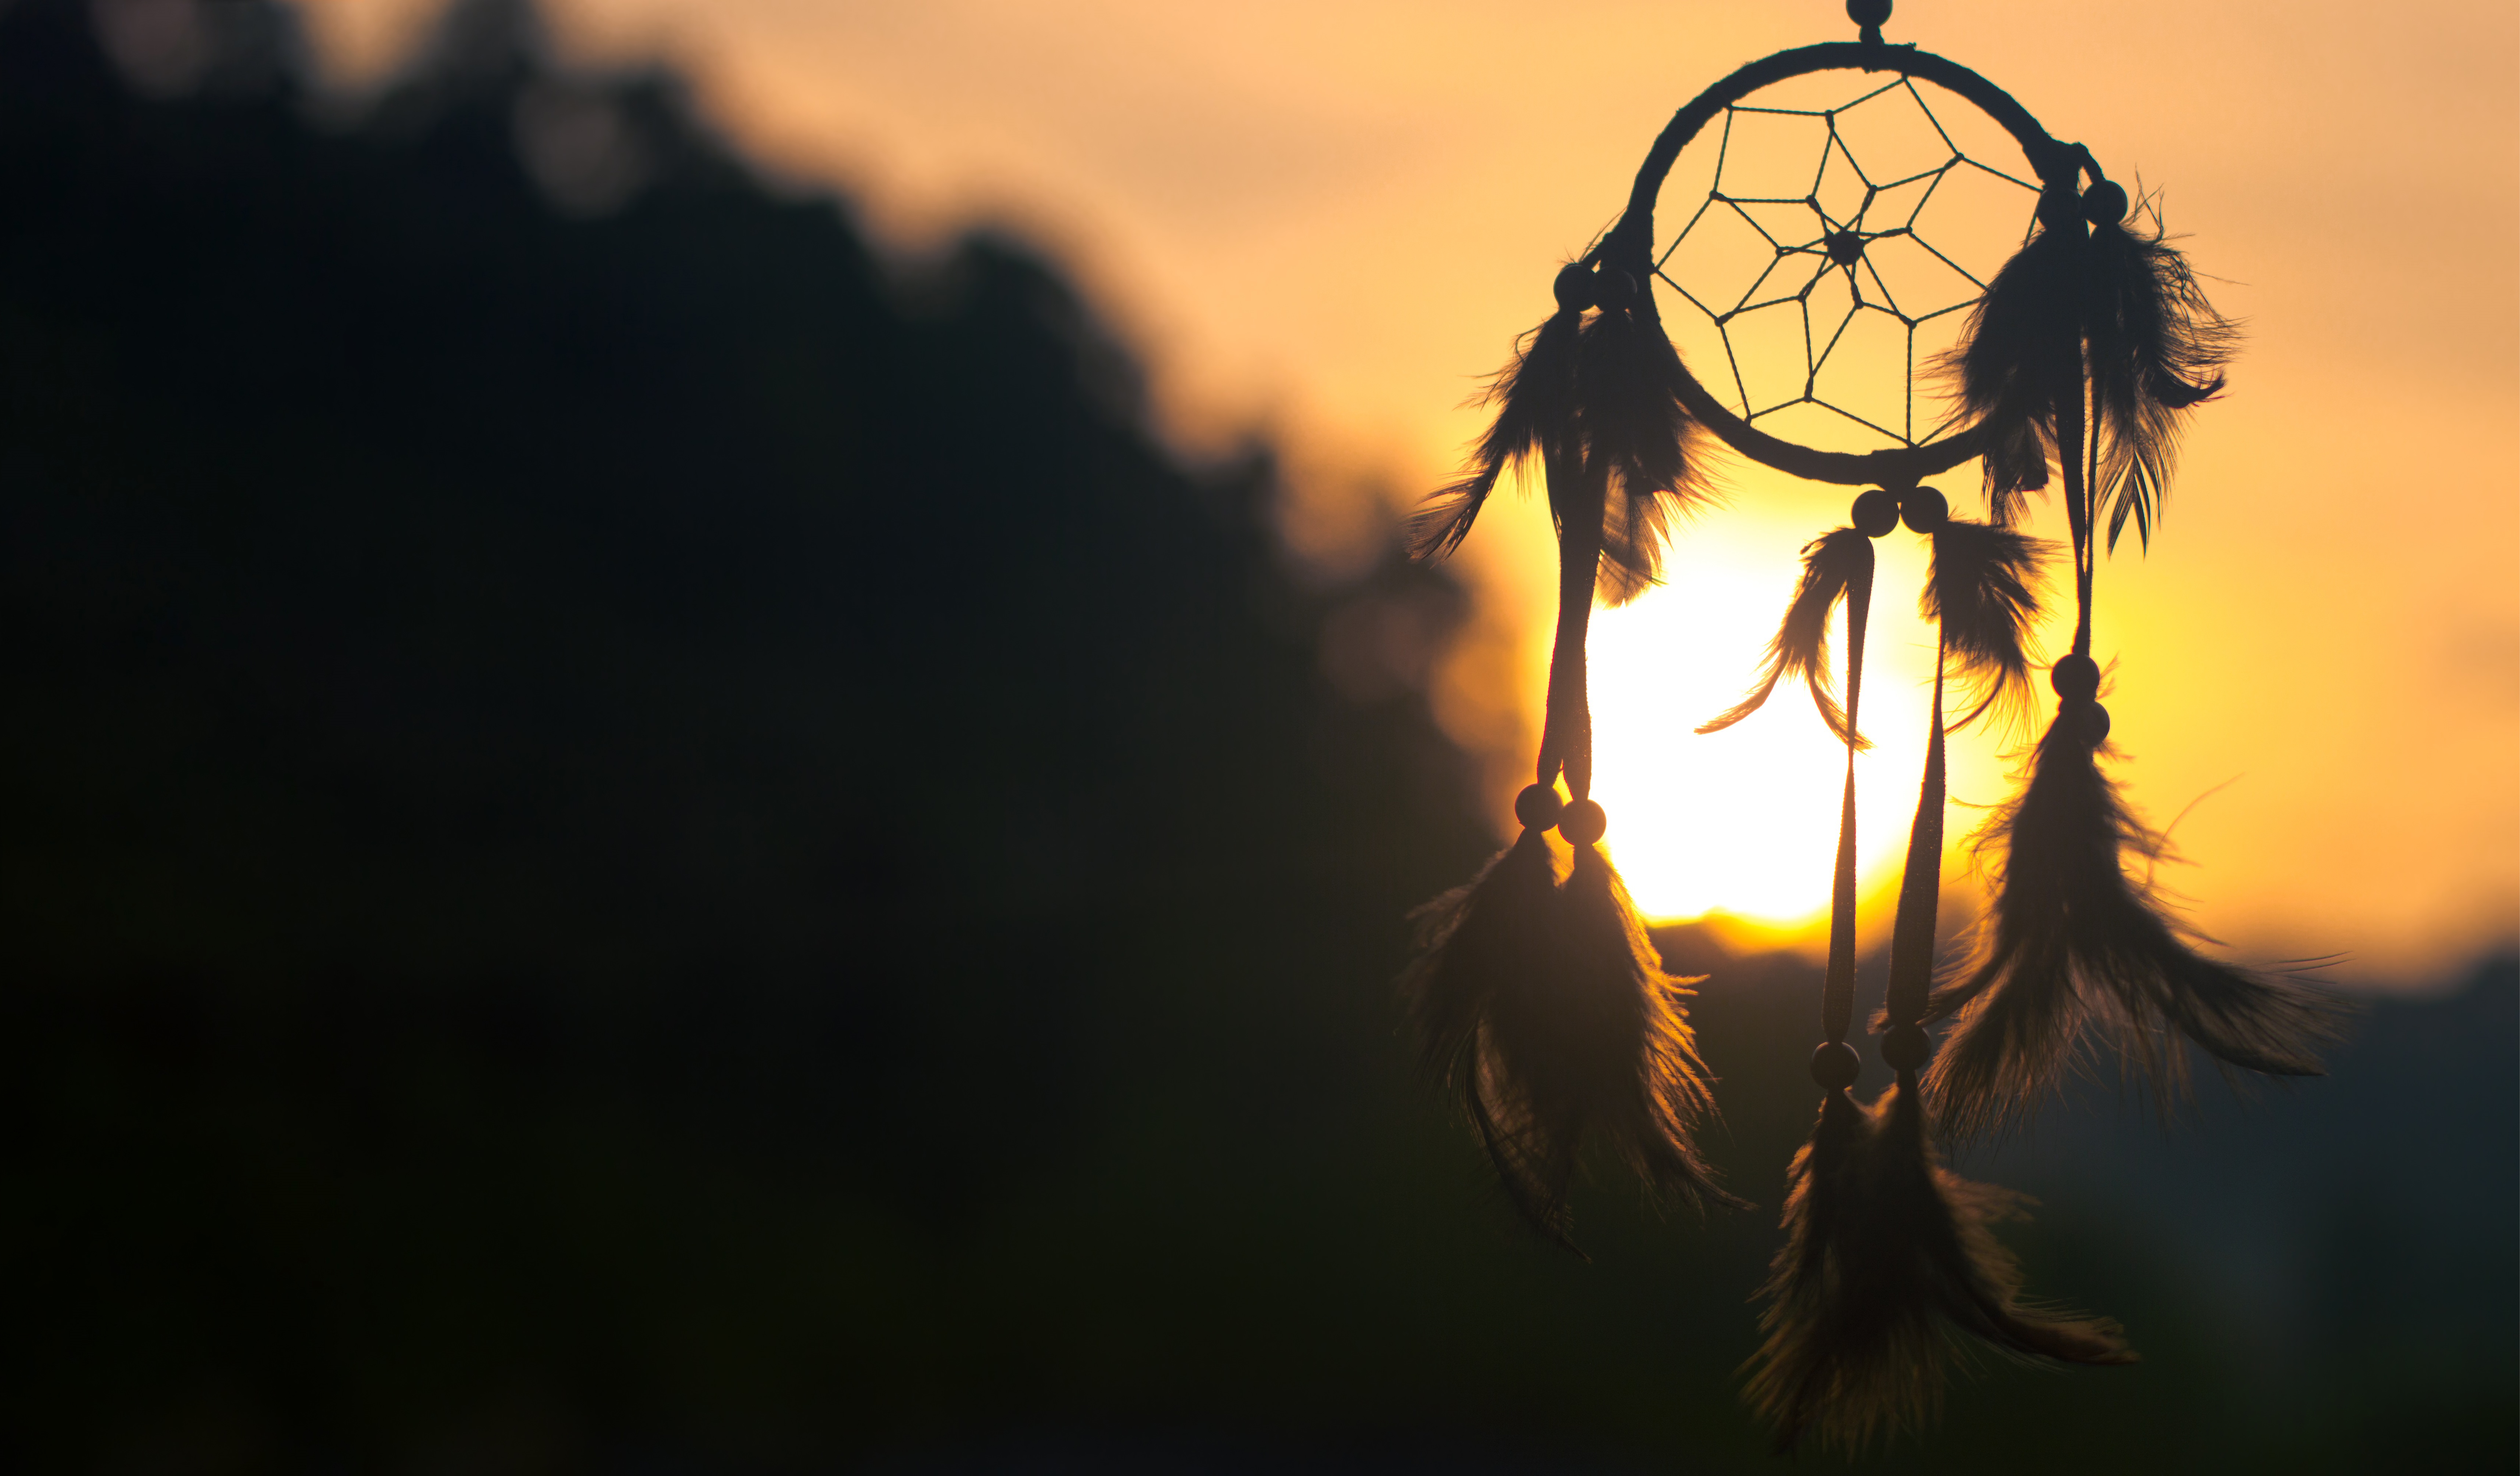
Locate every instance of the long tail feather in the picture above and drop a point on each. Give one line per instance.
(2073, 946)
(1983, 587)
(1534, 397)
(1890, 1266)
(1645, 1087)
(2157, 350)
(1653, 448)
(2016, 461)
(1548, 1007)
(1479, 945)
(1481, 948)
(1633, 531)
(2016, 363)
(1832, 563)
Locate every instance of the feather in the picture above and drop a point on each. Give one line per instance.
(1634, 530)
(1482, 950)
(2071, 945)
(2157, 348)
(1603, 388)
(1548, 1007)
(2121, 305)
(1476, 941)
(1983, 587)
(1832, 563)
(1644, 1088)
(1889, 1269)
(1534, 397)
(1653, 448)
(2017, 362)
(2018, 455)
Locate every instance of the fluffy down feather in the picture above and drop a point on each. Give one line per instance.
(1834, 564)
(1534, 397)
(2120, 306)
(2157, 348)
(1889, 1273)
(1983, 587)
(1653, 448)
(2072, 945)
(2018, 361)
(1548, 1007)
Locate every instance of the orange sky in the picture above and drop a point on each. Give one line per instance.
(1330, 220)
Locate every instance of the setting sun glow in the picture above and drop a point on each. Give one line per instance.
(1741, 825)
(1743, 821)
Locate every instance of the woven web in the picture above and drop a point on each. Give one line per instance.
(1836, 253)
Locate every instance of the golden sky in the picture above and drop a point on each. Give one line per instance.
(1330, 220)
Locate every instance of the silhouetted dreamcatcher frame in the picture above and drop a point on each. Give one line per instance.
(1629, 248)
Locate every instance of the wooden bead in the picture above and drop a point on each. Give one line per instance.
(1573, 287)
(1923, 510)
(2060, 210)
(2095, 719)
(1614, 288)
(1584, 823)
(2076, 679)
(1538, 806)
(1873, 14)
(1875, 512)
(1835, 1065)
(1905, 1048)
(2104, 203)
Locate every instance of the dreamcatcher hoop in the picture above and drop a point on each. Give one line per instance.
(1629, 245)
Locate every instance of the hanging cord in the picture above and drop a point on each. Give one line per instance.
(1875, 515)
(1566, 732)
(1920, 885)
(2082, 470)
(1836, 1065)
(2078, 447)
(1912, 940)
(1837, 999)
(2085, 497)
(2076, 677)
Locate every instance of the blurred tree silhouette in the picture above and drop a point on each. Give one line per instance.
(638, 839)
(508, 688)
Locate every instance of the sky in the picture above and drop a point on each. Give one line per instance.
(1328, 222)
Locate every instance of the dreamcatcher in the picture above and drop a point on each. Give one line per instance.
(2077, 359)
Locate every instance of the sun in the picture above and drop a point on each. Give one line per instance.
(1743, 823)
